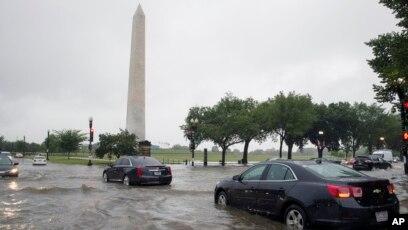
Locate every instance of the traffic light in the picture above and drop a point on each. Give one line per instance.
(91, 134)
(405, 105)
(405, 136)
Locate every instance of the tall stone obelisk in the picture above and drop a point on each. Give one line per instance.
(135, 117)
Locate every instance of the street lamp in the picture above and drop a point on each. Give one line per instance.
(320, 144)
(192, 131)
(382, 139)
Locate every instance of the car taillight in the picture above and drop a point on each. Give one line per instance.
(356, 191)
(391, 188)
(139, 172)
(169, 170)
(341, 191)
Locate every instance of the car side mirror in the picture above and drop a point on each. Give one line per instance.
(237, 177)
(16, 163)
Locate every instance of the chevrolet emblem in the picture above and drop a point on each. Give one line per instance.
(376, 191)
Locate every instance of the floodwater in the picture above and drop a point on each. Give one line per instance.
(75, 197)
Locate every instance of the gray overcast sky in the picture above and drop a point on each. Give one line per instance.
(63, 61)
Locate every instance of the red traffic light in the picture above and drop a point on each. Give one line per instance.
(405, 104)
(405, 136)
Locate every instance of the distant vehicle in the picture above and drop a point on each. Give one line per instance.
(363, 163)
(307, 193)
(385, 154)
(138, 170)
(19, 155)
(8, 154)
(8, 167)
(39, 160)
(380, 163)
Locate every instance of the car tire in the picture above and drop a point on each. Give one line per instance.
(295, 217)
(126, 180)
(105, 177)
(222, 199)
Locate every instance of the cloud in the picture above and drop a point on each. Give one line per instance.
(63, 61)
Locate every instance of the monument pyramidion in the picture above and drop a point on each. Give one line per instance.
(135, 117)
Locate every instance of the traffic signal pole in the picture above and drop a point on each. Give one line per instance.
(404, 123)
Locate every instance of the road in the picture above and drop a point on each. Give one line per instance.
(75, 197)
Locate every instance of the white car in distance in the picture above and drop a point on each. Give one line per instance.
(39, 160)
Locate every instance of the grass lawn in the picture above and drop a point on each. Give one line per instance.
(170, 156)
(74, 161)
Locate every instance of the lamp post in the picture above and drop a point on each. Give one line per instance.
(91, 132)
(192, 132)
(320, 144)
(382, 141)
(48, 144)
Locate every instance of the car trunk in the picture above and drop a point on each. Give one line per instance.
(155, 171)
(375, 191)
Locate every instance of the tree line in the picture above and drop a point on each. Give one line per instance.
(67, 141)
(292, 119)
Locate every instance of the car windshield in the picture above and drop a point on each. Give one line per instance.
(4, 160)
(328, 170)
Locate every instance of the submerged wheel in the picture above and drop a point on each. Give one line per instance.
(105, 177)
(126, 181)
(295, 218)
(222, 199)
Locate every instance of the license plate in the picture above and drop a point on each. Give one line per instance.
(157, 173)
(381, 216)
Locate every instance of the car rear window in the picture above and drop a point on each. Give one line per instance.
(4, 160)
(329, 170)
(39, 158)
(149, 161)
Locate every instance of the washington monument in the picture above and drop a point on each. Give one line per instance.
(135, 117)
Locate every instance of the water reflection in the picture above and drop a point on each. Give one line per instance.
(13, 185)
(75, 197)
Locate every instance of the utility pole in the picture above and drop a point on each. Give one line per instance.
(404, 147)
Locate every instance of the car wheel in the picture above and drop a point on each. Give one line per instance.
(222, 199)
(126, 181)
(105, 177)
(295, 218)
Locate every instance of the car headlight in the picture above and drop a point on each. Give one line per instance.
(14, 171)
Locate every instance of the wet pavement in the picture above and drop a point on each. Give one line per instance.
(75, 197)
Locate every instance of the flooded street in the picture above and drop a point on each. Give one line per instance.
(75, 197)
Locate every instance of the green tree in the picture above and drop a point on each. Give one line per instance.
(2, 142)
(291, 116)
(53, 143)
(373, 121)
(390, 60)
(249, 124)
(70, 140)
(219, 123)
(192, 129)
(327, 123)
(122, 143)
(390, 130)
(106, 146)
